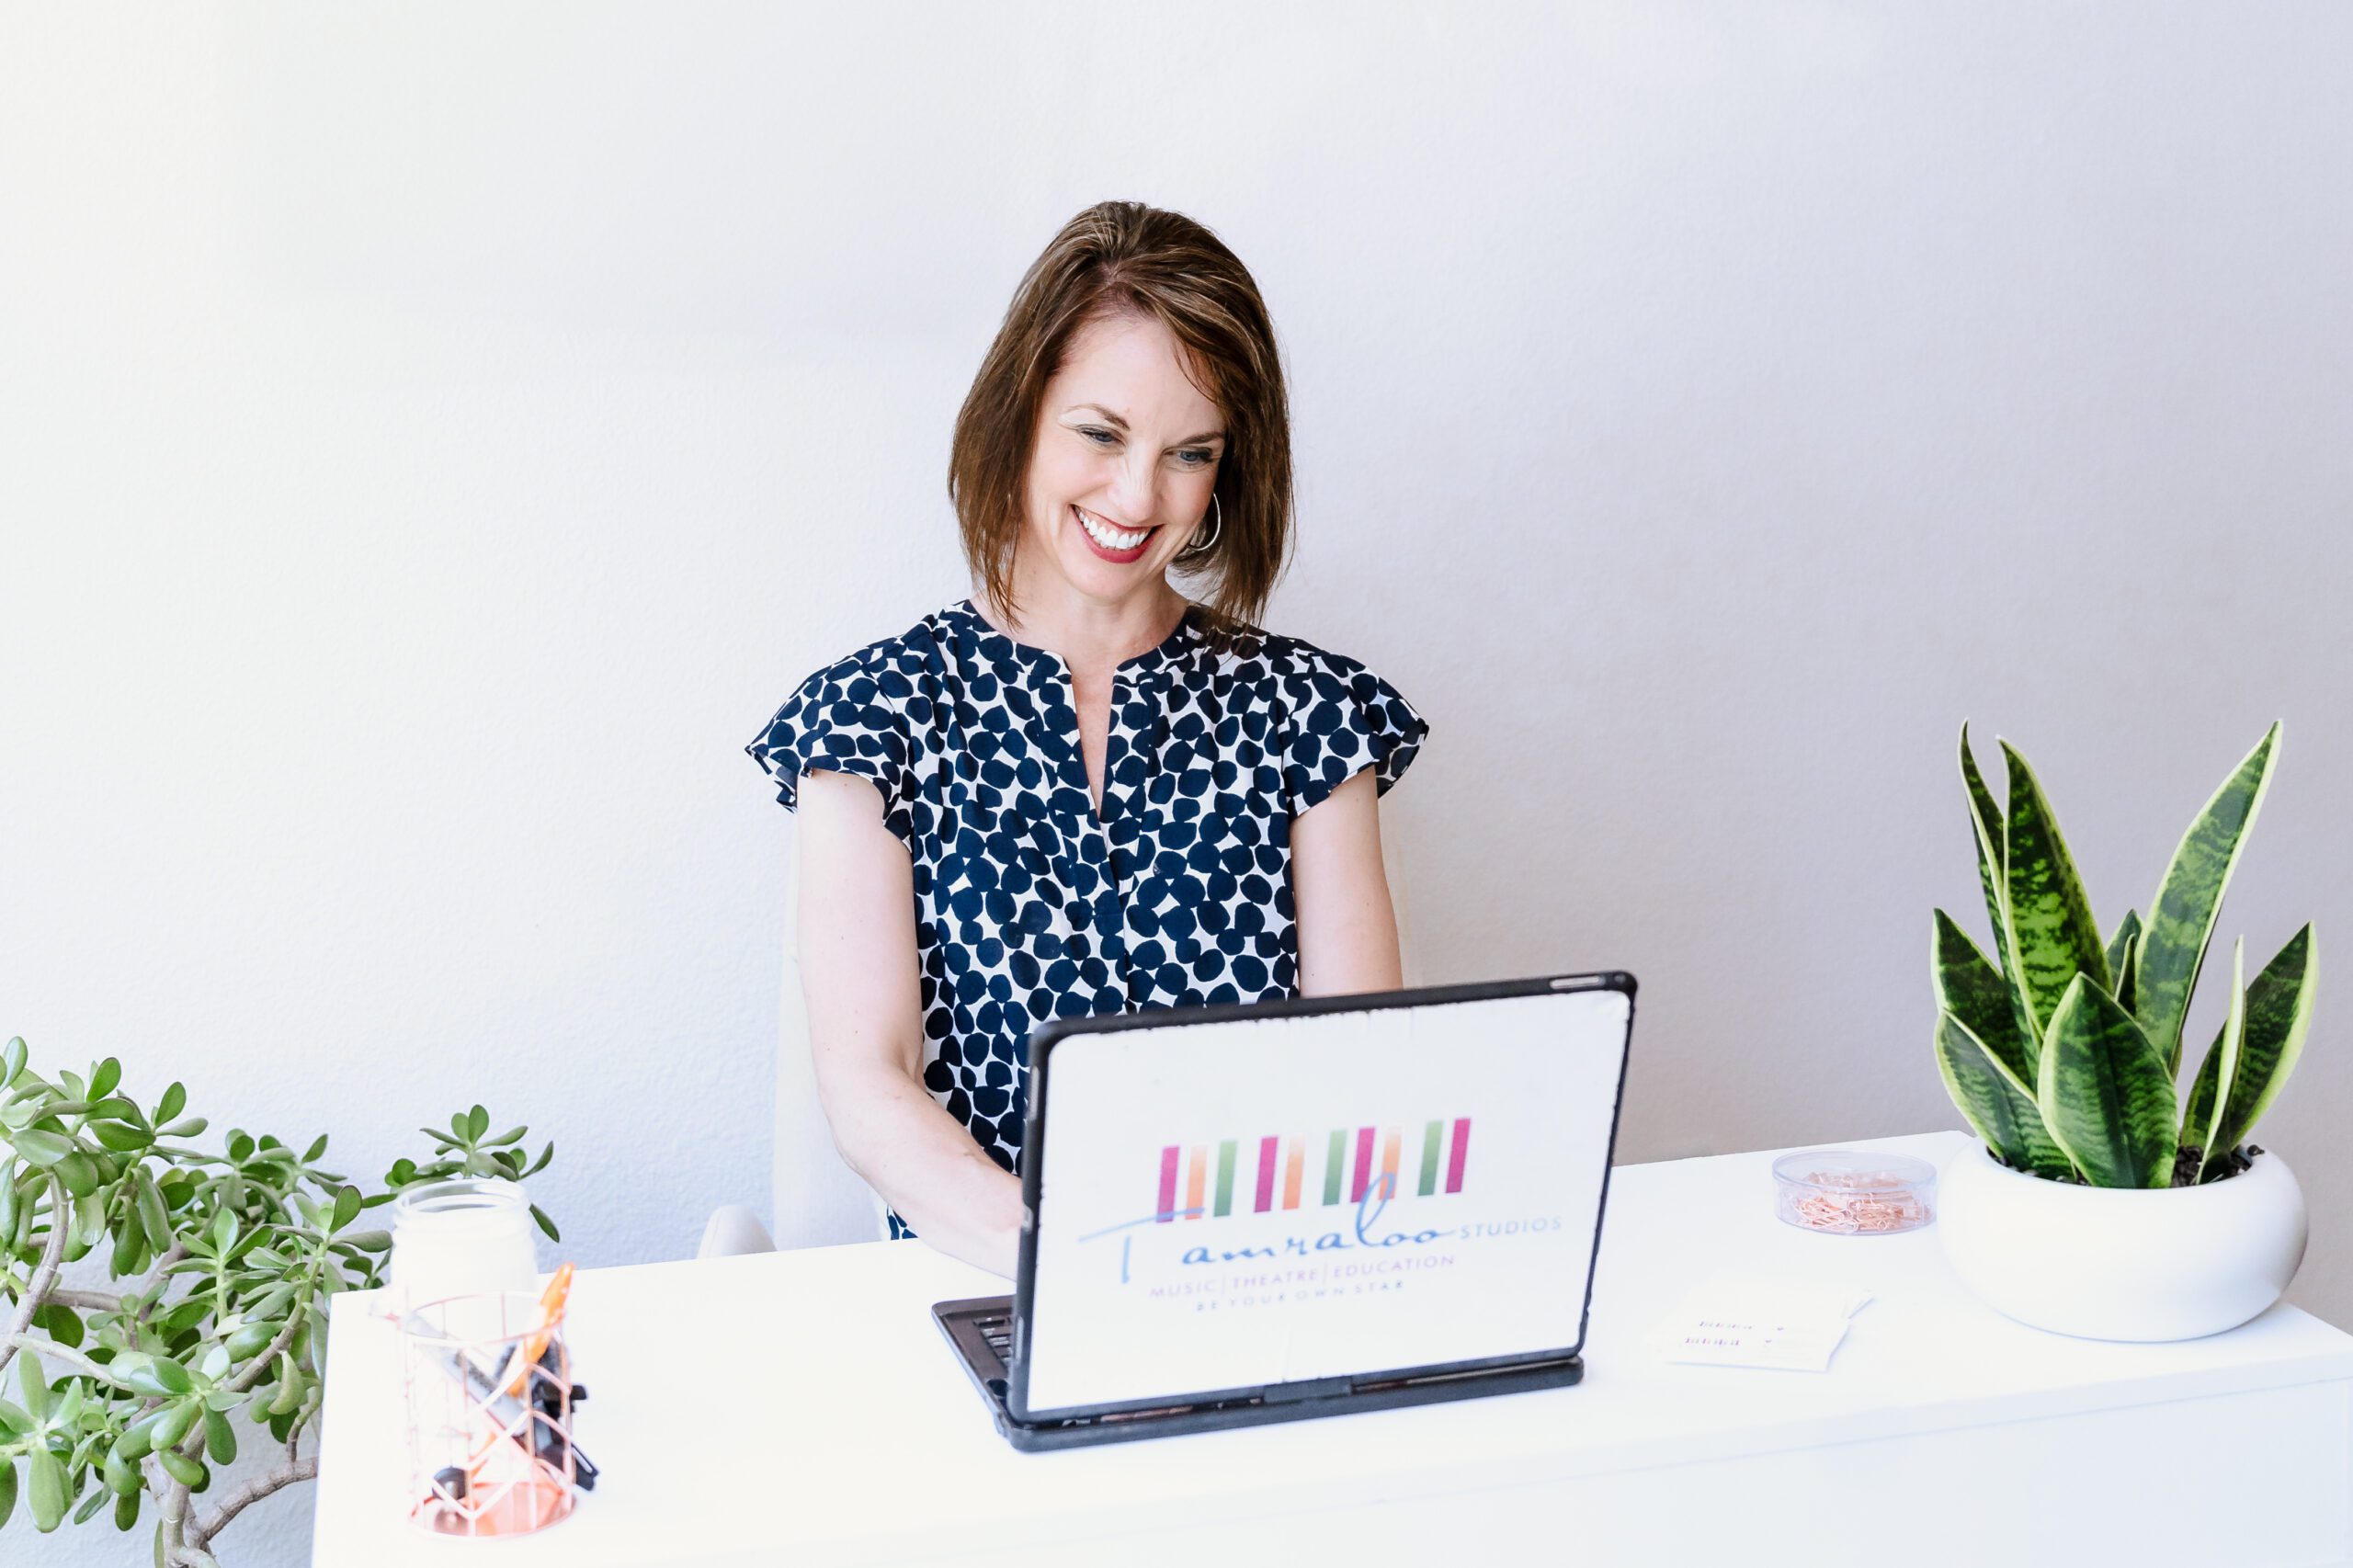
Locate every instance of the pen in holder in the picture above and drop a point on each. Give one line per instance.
(490, 1400)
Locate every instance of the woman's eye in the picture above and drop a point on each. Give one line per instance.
(1192, 457)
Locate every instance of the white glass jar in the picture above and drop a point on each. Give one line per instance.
(461, 1238)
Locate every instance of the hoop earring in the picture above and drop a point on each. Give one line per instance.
(1216, 526)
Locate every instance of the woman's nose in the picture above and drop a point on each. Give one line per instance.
(1132, 491)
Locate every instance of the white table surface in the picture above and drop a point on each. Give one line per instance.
(865, 1441)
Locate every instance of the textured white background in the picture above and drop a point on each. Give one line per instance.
(433, 440)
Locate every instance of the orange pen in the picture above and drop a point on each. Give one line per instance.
(551, 1301)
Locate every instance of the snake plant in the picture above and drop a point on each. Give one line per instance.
(2063, 1051)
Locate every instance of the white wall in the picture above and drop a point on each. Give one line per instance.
(431, 442)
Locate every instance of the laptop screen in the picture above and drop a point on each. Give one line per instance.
(1227, 1204)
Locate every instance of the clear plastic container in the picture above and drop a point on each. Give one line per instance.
(1851, 1192)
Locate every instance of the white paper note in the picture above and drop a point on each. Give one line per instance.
(1732, 1321)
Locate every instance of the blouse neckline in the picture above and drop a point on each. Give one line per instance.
(1187, 631)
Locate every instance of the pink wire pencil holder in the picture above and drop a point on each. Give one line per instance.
(490, 1400)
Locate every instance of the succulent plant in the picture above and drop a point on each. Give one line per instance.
(127, 1398)
(2063, 1051)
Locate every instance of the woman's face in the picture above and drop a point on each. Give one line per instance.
(1125, 457)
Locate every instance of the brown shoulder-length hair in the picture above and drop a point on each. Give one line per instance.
(1122, 258)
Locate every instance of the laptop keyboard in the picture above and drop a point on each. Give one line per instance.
(997, 1331)
(994, 1331)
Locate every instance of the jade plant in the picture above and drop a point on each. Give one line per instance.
(2063, 1051)
(126, 1399)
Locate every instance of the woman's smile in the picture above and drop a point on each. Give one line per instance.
(1121, 545)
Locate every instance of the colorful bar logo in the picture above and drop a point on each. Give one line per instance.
(1198, 1181)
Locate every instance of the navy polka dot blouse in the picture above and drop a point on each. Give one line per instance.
(1028, 905)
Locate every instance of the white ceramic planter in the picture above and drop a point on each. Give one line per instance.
(2102, 1263)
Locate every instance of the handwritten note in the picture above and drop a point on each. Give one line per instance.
(1736, 1321)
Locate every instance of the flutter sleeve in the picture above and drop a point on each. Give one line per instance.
(842, 719)
(1342, 719)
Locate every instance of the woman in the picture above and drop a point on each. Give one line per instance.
(1077, 792)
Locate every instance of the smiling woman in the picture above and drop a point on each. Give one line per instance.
(1084, 793)
(1137, 349)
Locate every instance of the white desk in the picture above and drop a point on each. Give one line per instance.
(1943, 1434)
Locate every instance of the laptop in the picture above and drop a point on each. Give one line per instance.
(1283, 1209)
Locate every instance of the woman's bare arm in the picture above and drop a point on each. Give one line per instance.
(859, 974)
(1347, 928)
